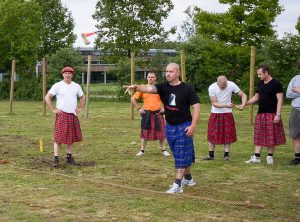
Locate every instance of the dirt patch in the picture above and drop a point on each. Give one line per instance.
(46, 162)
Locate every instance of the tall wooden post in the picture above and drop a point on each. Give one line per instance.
(88, 80)
(132, 74)
(251, 89)
(44, 85)
(12, 85)
(182, 59)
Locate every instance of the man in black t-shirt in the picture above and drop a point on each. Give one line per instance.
(177, 98)
(268, 129)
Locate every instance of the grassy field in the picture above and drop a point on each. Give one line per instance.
(112, 184)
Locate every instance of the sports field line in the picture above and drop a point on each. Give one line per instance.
(246, 204)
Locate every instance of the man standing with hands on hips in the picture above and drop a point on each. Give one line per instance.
(177, 98)
(67, 128)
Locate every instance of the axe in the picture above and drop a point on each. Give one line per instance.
(85, 35)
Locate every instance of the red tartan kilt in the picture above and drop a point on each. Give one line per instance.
(67, 129)
(221, 128)
(267, 133)
(152, 133)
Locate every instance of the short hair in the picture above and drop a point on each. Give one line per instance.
(151, 72)
(264, 68)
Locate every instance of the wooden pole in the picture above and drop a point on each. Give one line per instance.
(132, 74)
(182, 59)
(88, 80)
(251, 89)
(12, 85)
(44, 85)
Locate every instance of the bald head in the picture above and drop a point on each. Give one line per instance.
(172, 73)
(222, 82)
(175, 66)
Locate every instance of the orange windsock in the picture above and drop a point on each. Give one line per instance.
(85, 35)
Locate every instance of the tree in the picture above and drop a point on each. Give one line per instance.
(282, 56)
(246, 22)
(130, 25)
(58, 26)
(188, 27)
(64, 57)
(20, 32)
(298, 25)
(207, 59)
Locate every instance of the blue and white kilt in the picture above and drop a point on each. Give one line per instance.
(182, 146)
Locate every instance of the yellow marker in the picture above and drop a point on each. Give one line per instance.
(41, 146)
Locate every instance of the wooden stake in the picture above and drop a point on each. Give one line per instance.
(182, 59)
(251, 89)
(44, 85)
(12, 85)
(132, 74)
(88, 80)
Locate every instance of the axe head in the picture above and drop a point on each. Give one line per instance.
(84, 37)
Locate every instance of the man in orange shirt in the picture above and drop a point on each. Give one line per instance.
(153, 124)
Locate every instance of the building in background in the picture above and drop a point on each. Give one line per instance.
(100, 68)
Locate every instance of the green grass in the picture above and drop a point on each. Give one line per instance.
(102, 89)
(106, 185)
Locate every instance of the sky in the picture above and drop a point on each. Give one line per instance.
(82, 11)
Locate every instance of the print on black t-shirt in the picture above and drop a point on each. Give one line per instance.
(172, 100)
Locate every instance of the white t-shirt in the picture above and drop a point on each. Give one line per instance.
(66, 95)
(222, 96)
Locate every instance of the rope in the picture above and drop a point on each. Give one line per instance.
(246, 204)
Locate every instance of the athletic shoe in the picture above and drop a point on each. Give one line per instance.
(55, 163)
(165, 153)
(295, 161)
(186, 182)
(140, 153)
(175, 188)
(226, 158)
(253, 159)
(270, 160)
(208, 157)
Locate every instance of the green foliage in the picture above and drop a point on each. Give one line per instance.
(58, 25)
(245, 23)
(20, 32)
(122, 71)
(188, 26)
(298, 25)
(207, 59)
(282, 56)
(64, 57)
(4, 89)
(25, 89)
(130, 25)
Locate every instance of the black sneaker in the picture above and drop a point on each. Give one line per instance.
(55, 163)
(295, 161)
(71, 161)
(208, 157)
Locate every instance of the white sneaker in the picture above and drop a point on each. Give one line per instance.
(270, 160)
(190, 182)
(253, 159)
(165, 153)
(175, 189)
(140, 153)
